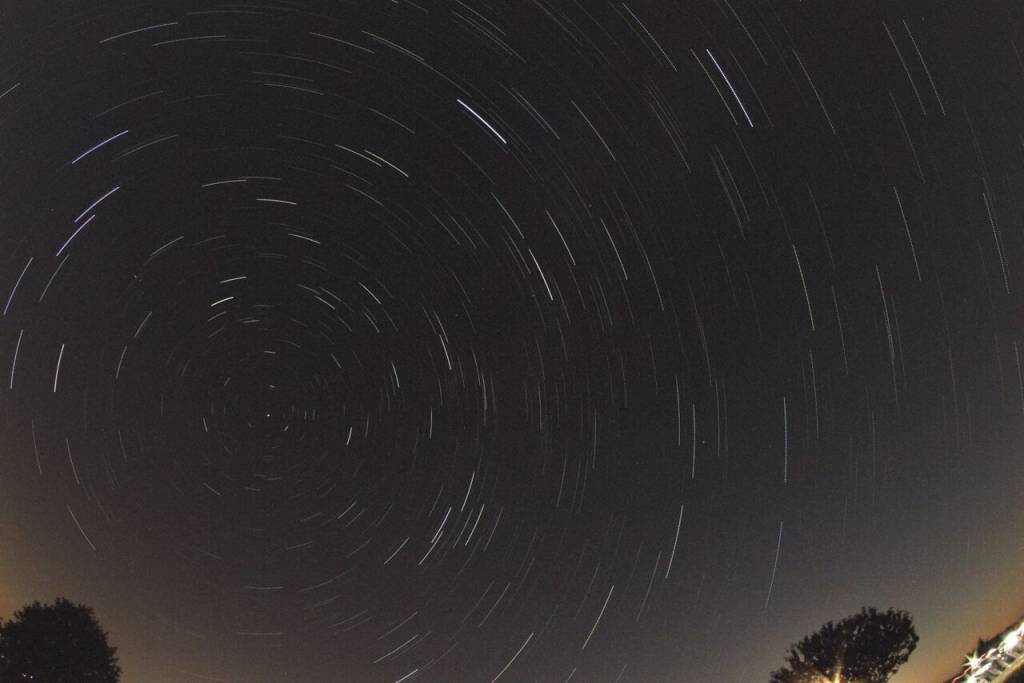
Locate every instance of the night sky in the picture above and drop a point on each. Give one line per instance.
(510, 341)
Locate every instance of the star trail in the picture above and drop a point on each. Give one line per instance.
(525, 341)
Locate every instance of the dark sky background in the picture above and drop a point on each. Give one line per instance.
(518, 341)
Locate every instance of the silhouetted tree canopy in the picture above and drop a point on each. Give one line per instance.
(58, 643)
(867, 647)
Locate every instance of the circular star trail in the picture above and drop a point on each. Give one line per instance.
(531, 341)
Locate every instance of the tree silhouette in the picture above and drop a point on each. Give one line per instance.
(59, 643)
(867, 647)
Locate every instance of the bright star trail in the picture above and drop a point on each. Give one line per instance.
(531, 341)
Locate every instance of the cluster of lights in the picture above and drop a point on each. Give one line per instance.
(1005, 653)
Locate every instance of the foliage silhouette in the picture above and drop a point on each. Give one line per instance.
(58, 643)
(867, 647)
